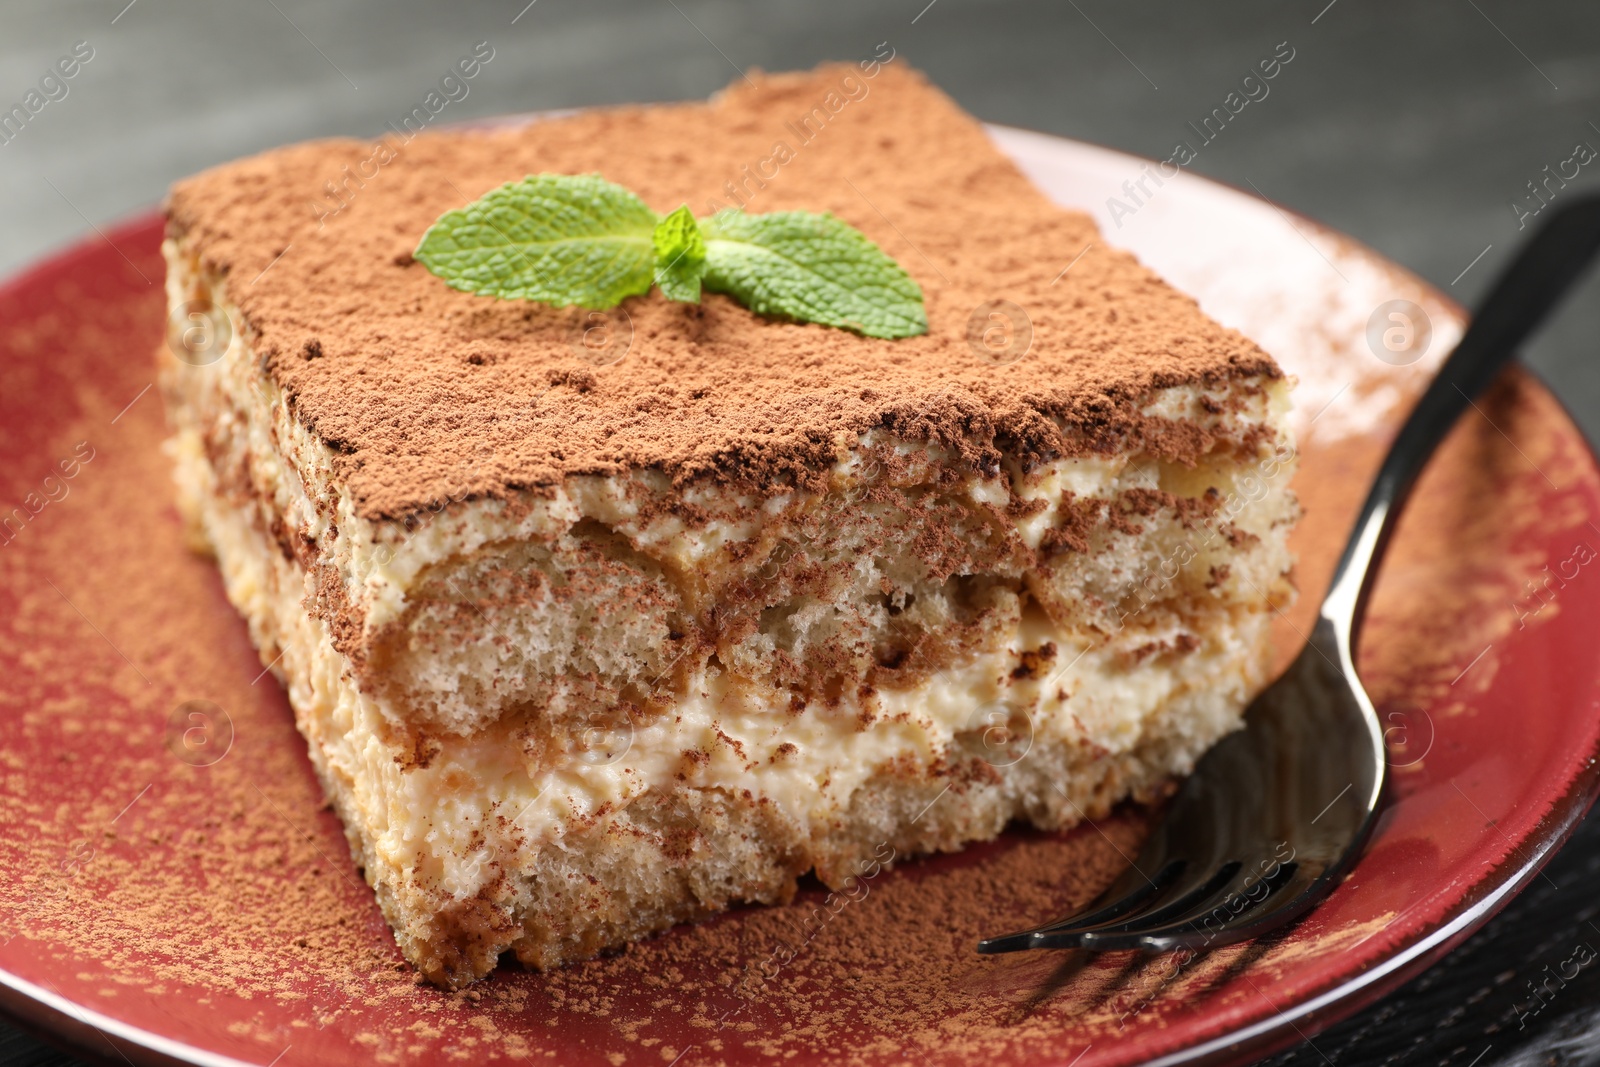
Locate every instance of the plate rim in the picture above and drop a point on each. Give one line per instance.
(1497, 889)
(59, 1021)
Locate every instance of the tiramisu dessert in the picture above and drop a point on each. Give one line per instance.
(611, 590)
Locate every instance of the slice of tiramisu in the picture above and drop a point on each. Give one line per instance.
(600, 620)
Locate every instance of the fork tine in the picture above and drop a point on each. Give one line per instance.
(1178, 899)
(1287, 900)
(1125, 894)
(1220, 912)
(1143, 889)
(1198, 930)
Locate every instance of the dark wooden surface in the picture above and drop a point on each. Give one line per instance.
(1412, 125)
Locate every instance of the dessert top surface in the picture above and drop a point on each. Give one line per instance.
(428, 394)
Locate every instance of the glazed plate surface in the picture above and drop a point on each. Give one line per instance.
(175, 891)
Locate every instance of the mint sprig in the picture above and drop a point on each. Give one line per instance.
(813, 268)
(680, 256)
(565, 239)
(554, 238)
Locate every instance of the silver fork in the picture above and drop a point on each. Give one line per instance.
(1276, 813)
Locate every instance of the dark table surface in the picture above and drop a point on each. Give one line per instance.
(1413, 125)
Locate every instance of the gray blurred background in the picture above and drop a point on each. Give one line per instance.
(1411, 125)
(1414, 126)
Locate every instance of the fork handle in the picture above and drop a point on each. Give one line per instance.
(1524, 293)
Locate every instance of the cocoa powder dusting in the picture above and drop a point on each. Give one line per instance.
(142, 879)
(146, 876)
(212, 897)
(412, 382)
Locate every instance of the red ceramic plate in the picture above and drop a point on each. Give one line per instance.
(175, 892)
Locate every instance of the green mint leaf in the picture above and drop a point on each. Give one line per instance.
(680, 256)
(814, 268)
(556, 238)
(579, 239)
